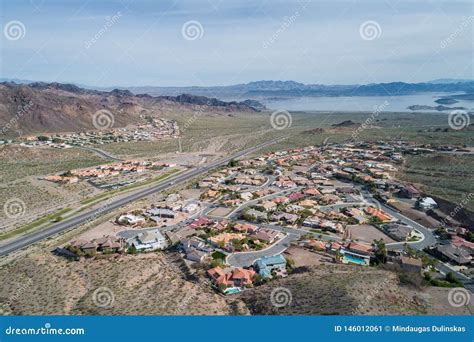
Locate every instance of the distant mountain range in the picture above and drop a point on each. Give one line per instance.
(270, 89)
(282, 89)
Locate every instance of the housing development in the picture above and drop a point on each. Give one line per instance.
(258, 219)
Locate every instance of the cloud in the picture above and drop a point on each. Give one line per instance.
(321, 44)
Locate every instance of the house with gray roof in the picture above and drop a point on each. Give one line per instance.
(149, 240)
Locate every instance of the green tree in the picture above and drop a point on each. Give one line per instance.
(380, 252)
(233, 163)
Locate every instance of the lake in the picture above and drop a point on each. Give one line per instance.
(360, 103)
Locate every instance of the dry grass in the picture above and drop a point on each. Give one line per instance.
(338, 290)
(147, 284)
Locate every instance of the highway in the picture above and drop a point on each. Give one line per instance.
(27, 240)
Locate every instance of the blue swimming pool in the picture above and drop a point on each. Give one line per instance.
(349, 259)
(232, 290)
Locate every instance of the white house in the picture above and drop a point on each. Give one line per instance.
(191, 207)
(130, 219)
(149, 240)
(427, 203)
(246, 196)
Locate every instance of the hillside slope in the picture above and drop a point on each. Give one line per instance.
(55, 107)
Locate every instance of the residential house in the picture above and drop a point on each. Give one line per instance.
(294, 208)
(210, 194)
(461, 242)
(131, 220)
(228, 278)
(224, 240)
(312, 192)
(149, 240)
(426, 203)
(295, 196)
(161, 213)
(332, 226)
(312, 222)
(409, 191)
(378, 213)
(245, 228)
(316, 245)
(256, 215)
(220, 225)
(286, 217)
(267, 235)
(266, 265)
(411, 264)
(109, 244)
(456, 255)
(356, 253)
(330, 198)
(281, 200)
(197, 256)
(200, 222)
(191, 207)
(356, 214)
(246, 196)
(308, 204)
(191, 244)
(399, 232)
(268, 206)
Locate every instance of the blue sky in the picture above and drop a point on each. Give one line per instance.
(131, 43)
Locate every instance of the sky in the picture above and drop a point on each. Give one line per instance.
(222, 42)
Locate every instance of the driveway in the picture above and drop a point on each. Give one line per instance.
(245, 259)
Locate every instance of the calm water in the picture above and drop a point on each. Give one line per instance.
(360, 103)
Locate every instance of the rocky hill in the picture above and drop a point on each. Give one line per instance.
(55, 107)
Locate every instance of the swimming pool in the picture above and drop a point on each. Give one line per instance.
(232, 290)
(349, 259)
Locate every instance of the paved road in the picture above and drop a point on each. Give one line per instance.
(245, 259)
(112, 204)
